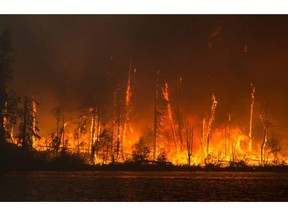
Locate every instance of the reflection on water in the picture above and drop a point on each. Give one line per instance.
(143, 186)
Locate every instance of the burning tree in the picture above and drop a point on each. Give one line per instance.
(127, 124)
(251, 117)
(121, 128)
(270, 145)
(211, 120)
(189, 142)
(80, 130)
(206, 128)
(11, 115)
(105, 142)
(178, 111)
(161, 106)
(95, 132)
(273, 148)
(28, 127)
(157, 118)
(58, 136)
(116, 149)
(141, 152)
(165, 93)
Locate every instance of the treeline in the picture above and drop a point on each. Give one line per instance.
(16, 147)
(19, 131)
(98, 136)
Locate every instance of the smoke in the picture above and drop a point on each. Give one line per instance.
(77, 61)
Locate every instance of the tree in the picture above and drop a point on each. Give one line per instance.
(142, 148)
(189, 142)
(81, 129)
(104, 141)
(5, 76)
(273, 147)
(11, 114)
(162, 156)
(56, 137)
(28, 128)
(141, 152)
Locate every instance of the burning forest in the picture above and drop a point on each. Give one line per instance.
(175, 136)
(113, 127)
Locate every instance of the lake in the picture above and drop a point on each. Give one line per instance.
(143, 186)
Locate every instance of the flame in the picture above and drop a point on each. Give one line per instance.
(251, 117)
(127, 128)
(206, 142)
(165, 93)
(236, 146)
(34, 113)
(210, 122)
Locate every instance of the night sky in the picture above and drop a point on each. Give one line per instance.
(71, 60)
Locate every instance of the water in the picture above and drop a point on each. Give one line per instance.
(143, 186)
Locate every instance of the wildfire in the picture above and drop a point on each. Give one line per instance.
(169, 110)
(210, 122)
(103, 141)
(127, 129)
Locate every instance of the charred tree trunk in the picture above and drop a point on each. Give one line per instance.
(229, 134)
(190, 137)
(63, 133)
(263, 146)
(24, 131)
(207, 144)
(179, 110)
(115, 118)
(225, 141)
(156, 116)
(118, 139)
(98, 134)
(202, 140)
(92, 150)
(78, 142)
(251, 117)
(266, 125)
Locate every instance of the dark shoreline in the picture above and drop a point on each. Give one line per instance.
(13, 158)
(145, 168)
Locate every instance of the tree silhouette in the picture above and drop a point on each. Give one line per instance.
(81, 128)
(56, 136)
(11, 115)
(142, 149)
(28, 127)
(141, 152)
(5, 76)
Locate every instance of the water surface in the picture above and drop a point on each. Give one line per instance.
(144, 186)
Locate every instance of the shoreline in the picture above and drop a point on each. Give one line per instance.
(13, 158)
(149, 168)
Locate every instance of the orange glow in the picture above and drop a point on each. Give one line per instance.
(128, 136)
(207, 142)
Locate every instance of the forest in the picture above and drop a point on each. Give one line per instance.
(107, 138)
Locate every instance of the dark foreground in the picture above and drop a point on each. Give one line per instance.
(143, 186)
